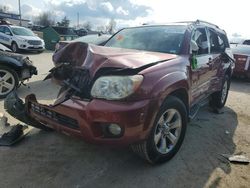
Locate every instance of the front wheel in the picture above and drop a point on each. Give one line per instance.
(8, 81)
(14, 47)
(167, 133)
(219, 98)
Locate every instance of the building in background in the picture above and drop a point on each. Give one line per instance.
(13, 19)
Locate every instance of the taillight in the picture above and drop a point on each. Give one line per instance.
(240, 58)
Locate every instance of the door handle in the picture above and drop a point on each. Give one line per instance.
(210, 62)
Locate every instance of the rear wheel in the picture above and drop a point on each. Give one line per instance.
(167, 133)
(8, 81)
(219, 98)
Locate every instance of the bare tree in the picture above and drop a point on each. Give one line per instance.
(64, 23)
(87, 25)
(4, 8)
(45, 19)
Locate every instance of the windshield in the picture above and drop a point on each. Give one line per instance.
(166, 39)
(22, 31)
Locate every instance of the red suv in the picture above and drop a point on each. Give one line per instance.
(139, 89)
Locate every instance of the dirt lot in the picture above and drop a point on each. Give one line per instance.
(45, 159)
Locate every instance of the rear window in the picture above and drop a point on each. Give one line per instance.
(166, 39)
(246, 42)
(241, 49)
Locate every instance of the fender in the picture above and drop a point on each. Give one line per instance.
(168, 84)
(10, 61)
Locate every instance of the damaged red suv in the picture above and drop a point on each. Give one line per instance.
(139, 89)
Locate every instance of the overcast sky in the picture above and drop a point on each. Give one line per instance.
(233, 16)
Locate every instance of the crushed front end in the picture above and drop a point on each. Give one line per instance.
(76, 112)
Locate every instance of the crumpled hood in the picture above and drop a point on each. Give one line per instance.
(94, 57)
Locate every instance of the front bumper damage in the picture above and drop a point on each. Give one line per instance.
(86, 119)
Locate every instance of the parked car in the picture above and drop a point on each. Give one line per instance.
(81, 32)
(20, 38)
(241, 54)
(139, 89)
(92, 39)
(14, 69)
(246, 42)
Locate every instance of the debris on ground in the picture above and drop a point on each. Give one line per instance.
(10, 135)
(237, 158)
(3, 120)
(217, 111)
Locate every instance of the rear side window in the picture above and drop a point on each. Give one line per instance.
(218, 43)
(200, 37)
(246, 42)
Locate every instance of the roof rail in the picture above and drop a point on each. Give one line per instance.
(208, 23)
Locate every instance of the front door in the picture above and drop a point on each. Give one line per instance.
(200, 75)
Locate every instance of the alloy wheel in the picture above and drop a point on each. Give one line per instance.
(7, 82)
(168, 130)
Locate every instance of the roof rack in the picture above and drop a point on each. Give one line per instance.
(199, 22)
(204, 22)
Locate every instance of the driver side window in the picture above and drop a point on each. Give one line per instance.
(200, 37)
(7, 31)
(1, 29)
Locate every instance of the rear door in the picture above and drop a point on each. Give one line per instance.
(200, 76)
(218, 45)
(4, 37)
(8, 36)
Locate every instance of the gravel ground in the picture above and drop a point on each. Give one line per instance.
(51, 159)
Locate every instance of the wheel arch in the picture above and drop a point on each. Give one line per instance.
(13, 64)
(181, 94)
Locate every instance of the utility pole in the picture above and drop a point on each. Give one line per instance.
(19, 4)
(77, 19)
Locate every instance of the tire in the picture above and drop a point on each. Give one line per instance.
(8, 81)
(219, 98)
(158, 148)
(14, 47)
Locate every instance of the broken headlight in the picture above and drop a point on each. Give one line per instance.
(115, 87)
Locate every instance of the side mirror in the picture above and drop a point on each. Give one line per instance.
(193, 47)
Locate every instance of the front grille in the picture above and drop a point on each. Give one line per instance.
(57, 117)
(34, 42)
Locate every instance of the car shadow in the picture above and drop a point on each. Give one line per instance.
(240, 85)
(55, 160)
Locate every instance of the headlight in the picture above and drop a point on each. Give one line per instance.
(24, 40)
(115, 87)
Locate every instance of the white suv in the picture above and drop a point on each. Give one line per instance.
(20, 38)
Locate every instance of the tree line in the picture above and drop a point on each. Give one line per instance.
(47, 19)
